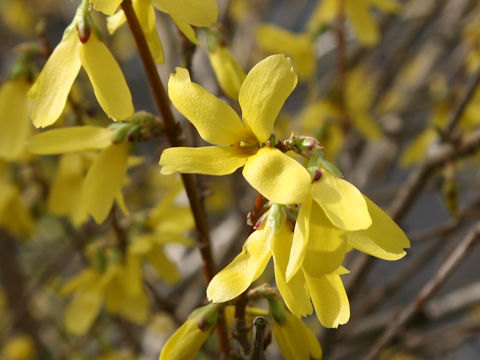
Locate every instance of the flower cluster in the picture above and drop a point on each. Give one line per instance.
(315, 216)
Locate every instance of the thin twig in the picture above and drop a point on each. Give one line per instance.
(462, 105)
(259, 326)
(427, 292)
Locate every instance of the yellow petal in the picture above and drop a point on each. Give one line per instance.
(386, 5)
(417, 149)
(194, 12)
(329, 299)
(363, 22)
(366, 126)
(55, 81)
(243, 270)
(185, 343)
(295, 340)
(342, 202)
(107, 79)
(136, 308)
(324, 12)
(187, 30)
(104, 180)
(383, 239)
(70, 139)
(164, 266)
(108, 7)
(84, 307)
(146, 17)
(274, 40)
(115, 21)
(265, 89)
(228, 71)
(294, 293)
(215, 121)
(300, 239)
(14, 120)
(277, 176)
(209, 160)
(327, 245)
(65, 197)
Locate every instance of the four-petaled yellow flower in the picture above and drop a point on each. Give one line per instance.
(272, 173)
(184, 13)
(358, 12)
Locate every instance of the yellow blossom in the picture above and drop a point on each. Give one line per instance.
(184, 13)
(273, 39)
(338, 211)
(266, 87)
(20, 347)
(119, 287)
(275, 238)
(14, 118)
(186, 342)
(295, 340)
(65, 197)
(53, 85)
(320, 118)
(14, 214)
(104, 180)
(358, 12)
(228, 71)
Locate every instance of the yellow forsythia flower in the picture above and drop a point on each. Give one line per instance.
(14, 215)
(14, 118)
(20, 347)
(53, 85)
(274, 174)
(273, 39)
(340, 210)
(65, 196)
(104, 180)
(295, 340)
(321, 119)
(120, 287)
(184, 13)
(146, 16)
(358, 12)
(306, 265)
(186, 342)
(359, 92)
(228, 71)
(275, 238)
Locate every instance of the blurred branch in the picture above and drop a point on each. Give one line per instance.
(462, 105)
(427, 292)
(14, 285)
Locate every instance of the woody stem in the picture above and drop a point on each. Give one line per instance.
(173, 132)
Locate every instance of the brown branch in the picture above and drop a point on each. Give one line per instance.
(462, 105)
(259, 326)
(173, 134)
(407, 194)
(427, 292)
(240, 330)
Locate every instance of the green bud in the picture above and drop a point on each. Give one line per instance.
(276, 218)
(206, 316)
(277, 309)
